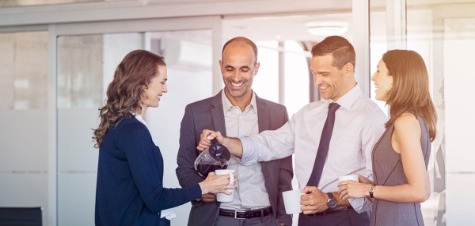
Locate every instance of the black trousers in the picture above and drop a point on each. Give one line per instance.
(342, 218)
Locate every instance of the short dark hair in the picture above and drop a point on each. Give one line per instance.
(340, 48)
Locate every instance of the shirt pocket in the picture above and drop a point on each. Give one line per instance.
(346, 148)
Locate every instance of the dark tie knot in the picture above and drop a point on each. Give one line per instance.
(333, 107)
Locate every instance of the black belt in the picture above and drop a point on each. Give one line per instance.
(330, 211)
(243, 214)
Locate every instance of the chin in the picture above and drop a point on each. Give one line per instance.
(237, 93)
(324, 96)
(378, 97)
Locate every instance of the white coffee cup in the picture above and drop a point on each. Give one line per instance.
(222, 197)
(352, 177)
(292, 201)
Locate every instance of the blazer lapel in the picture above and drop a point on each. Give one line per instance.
(217, 114)
(263, 116)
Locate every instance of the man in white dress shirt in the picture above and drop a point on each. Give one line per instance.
(358, 125)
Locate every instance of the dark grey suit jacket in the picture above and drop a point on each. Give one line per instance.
(208, 114)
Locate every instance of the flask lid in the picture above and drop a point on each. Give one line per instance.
(218, 151)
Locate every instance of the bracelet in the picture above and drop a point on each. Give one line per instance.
(371, 190)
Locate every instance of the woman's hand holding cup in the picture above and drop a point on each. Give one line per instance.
(218, 183)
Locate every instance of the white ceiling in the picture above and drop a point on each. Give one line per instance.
(281, 27)
(293, 26)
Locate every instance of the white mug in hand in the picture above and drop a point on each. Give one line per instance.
(352, 177)
(222, 197)
(292, 201)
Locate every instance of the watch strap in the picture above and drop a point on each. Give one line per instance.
(332, 203)
(371, 191)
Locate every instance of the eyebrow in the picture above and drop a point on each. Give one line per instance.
(319, 72)
(231, 66)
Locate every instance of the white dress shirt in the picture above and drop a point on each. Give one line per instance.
(251, 192)
(359, 123)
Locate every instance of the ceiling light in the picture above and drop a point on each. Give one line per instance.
(327, 28)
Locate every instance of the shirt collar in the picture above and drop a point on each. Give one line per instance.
(227, 105)
(347, 100)
(139, 118)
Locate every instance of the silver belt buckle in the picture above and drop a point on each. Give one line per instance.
(236, 213)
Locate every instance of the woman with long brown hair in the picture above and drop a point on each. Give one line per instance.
(400, 157)
(130, 187)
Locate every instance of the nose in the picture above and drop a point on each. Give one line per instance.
(236, 76)
(317, 79)
(165, 89)
(372, 77)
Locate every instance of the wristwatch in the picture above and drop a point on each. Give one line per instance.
(331, 201)
(371, 191)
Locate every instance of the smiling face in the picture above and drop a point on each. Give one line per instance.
(382, 81)
(155, 89)
(332, 82)
(238, 67)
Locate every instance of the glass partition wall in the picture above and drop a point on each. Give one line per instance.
(401, 25)
(443, 33)
(24, 113)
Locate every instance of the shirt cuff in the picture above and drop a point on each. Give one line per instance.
(360, 205)
(248, 152)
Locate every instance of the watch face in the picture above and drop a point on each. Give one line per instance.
(331, 203)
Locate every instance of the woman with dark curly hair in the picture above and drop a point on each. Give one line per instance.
(130, 171)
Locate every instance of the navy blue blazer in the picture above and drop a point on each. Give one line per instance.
(130, 188)
(208, 114)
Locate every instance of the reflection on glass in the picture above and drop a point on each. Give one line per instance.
(24, 69)
(80, 71)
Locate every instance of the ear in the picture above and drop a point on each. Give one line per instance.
(221, 65)
(256, 68)
(349, 68)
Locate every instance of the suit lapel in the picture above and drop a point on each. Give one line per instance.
(262, 115)
(217, 114)
(263, 118)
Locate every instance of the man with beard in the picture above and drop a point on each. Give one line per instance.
(237, 111)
